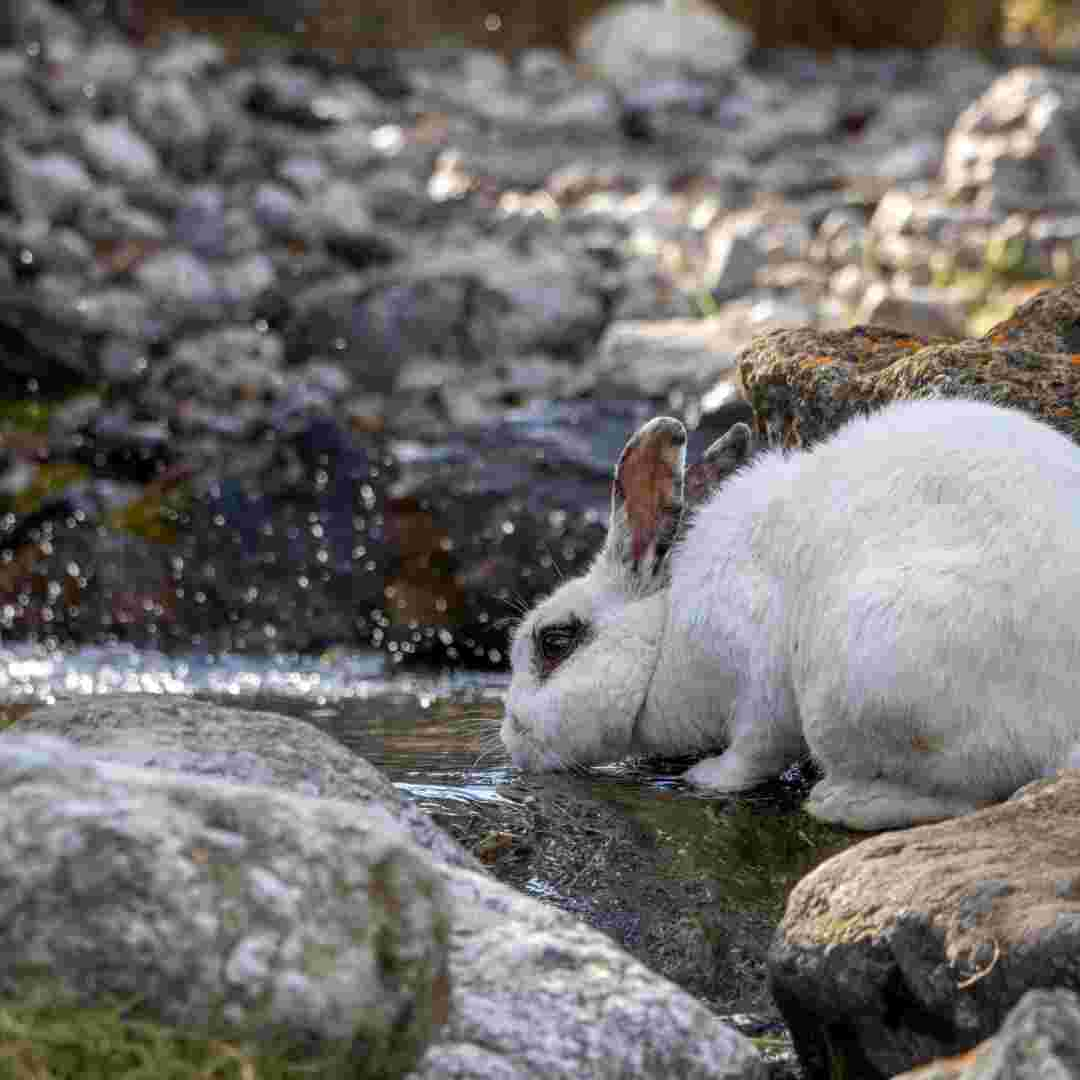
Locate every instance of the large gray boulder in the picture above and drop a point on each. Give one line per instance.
(311, 925)
(534, 994)
(236, 745)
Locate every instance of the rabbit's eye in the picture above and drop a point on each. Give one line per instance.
(556, 642)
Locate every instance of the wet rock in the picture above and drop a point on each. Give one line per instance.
(21, 106)
(186, 56)
(123, 361)
(245, 280)
(341, 212)
(734, 260)
(307, 175)
(916, 945)
(122, 311)
(1017, 147)
(225, 367)
(101, 73)
(1039, 1038)
(280, 212)
(488, 302)
(115, 150)
(653, 359)
(286, 543)
(292, 96)
(840, 237)
(178, 277)
(34, 249)
(108, 219)
(210, 903)
(47, 187)
(926, 312)
(12, 19)
(199, 223)
(119, 444)
(43, 345)
(920, 160)
(633, 42)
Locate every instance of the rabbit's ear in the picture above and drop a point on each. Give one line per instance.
(718, 463)
(647, 497)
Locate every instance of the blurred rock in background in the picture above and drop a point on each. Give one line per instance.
(345, 26)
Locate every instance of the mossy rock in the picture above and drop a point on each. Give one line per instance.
(804, 383)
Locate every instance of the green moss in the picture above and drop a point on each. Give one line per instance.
(26, 415)
(153, 516)
(56, 1041)
(49, 479)
(756, 856)
(705, 303)
(760, 857)
(1011, 258)
(830, 930)
(320, 960)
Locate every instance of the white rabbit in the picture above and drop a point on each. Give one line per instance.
(902, 601)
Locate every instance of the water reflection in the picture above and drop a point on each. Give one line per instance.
(434, 735)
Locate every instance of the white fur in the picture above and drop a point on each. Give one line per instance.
(903, 601)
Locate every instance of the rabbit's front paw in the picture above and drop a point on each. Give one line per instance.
(729, 772)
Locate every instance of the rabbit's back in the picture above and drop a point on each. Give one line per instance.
(915, 478)
(906, 596)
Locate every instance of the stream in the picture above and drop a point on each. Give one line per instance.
(692, 885)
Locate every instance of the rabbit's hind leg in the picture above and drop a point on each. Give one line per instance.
(880, 804)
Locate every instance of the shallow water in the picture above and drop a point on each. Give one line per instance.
(434, 735)
(423, 731)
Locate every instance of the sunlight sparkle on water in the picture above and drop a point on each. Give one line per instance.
(36, 673)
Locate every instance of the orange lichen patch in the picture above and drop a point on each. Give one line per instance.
(949, 1068)
(1075, 359)
(490, 847)
(819, 361)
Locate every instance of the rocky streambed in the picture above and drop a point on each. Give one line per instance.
(301, 355)
(299, 352)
